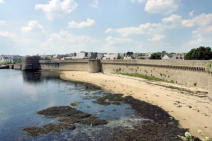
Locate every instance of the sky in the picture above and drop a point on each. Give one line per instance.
(29, 27)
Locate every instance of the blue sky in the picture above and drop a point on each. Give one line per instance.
(64, 26)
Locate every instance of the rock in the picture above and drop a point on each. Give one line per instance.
(37, 131)
(68, 116)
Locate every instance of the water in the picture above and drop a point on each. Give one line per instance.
(22, 95)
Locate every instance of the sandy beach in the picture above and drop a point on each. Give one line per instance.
(190, 106)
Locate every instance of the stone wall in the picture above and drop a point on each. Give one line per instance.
(188, 73)
(72, 65)
(17, 66)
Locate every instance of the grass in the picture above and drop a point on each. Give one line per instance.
(151, 78)
(75, 104)
(208, 68)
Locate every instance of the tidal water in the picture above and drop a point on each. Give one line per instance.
(23, 94)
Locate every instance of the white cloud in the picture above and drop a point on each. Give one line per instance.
(95, 3)
(161, 6)
(64, 41)
(200, 20)
(121, 44)
(32, 26)
(153, 30)
(115, 40)
(202, 29)
(108, 30)
(68, 37)
(1, 1)
(191, 14)
(7, 34)
(87, 23)
(172, 21)
(2, 22)
(57, 7)
(141, 29)
(157, 37)
(139, 1)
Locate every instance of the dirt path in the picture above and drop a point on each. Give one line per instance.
(188, 105)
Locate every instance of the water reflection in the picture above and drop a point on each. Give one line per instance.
(39, 76)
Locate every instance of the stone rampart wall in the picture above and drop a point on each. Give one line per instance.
(72, 65)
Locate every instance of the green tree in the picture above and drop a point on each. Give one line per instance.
(201, 53)
(47, 58)
(129, 53)
(156, 55)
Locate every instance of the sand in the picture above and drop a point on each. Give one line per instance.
(189, 105)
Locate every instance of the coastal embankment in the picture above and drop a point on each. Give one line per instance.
(189, 105)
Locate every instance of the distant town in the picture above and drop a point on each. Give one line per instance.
(201, 53)
(94, 55)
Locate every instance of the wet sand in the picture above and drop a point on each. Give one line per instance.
(190, 106)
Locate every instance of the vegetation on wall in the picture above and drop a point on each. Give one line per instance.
(201, 53)
(47, 58)
(208, 68)
(152, 78)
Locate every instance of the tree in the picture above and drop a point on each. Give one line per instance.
(201, 53)
(129, 53)
(47, 58)
(156, 55)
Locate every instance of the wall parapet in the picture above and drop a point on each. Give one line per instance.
(65, 61)
(192, 65)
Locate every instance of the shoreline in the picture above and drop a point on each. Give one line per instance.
(187, 105)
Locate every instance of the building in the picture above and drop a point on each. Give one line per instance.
(92, 55)
(81, 55)
(100, 55)
(173, 57)
(111, 56)
(5, 59)
(143, 56)
(166, 57)
(127, 58)
(10, 58)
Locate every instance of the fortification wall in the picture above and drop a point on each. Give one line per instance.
(188, 73)
(17, 66)
(72, 65)
(31, 63)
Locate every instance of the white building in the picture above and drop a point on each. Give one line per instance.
(173, 57)
(81, 55)
(111, 56)
(128, 58)
(10, 58)
(166, 57)
(100, 55)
